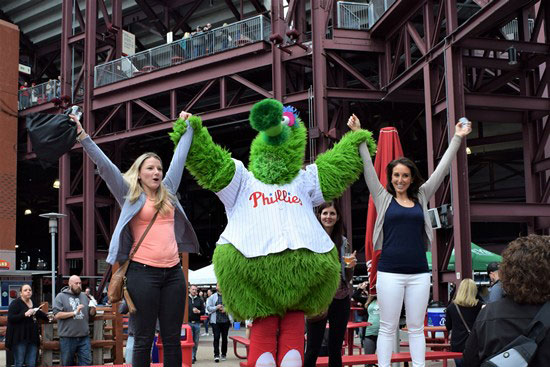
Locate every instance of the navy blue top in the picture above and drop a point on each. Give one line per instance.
(403, 250)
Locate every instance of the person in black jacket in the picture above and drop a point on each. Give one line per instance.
(23, 332)
(461, 314)
(196, 309)
(524, 275)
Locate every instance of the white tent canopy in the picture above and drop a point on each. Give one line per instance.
(203, 276)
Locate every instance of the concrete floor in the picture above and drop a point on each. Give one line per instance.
(205, 353)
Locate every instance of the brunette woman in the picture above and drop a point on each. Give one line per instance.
(329, 215)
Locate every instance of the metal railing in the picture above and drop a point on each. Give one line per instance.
(377, 8)
(353, 15)
(39, 94)
(199, 45)
(511, 32)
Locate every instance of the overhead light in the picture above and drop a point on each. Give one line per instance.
(512, 55)
(16, 246)
(28, 212)
(56, 184)
(468, 150)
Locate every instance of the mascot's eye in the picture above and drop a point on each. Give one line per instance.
(286, 121)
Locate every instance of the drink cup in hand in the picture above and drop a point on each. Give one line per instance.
(464, 122)
(348, 258)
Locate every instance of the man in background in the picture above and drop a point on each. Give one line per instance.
(196, 309)
(495, 291)
(72, 310)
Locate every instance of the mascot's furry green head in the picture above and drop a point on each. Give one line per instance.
(277, 154)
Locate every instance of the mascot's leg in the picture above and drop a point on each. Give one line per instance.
(291, 340)
(263, 342)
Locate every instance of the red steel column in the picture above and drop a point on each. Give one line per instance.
(459, 170)
(88, 226)
(277, 27)
(64, 162)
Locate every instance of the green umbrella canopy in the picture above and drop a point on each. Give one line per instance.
(480, 258)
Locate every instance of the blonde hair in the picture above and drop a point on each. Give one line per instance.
(466, 293)
(163, 198)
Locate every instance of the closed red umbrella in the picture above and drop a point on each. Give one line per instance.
(389, 148)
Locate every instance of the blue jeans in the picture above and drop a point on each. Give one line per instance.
(458, 362)
(129, 349)
(75, 345)
(157, 293)
(25, 353)
(196, 329)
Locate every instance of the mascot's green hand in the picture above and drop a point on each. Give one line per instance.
(195, 122)
(178, 129)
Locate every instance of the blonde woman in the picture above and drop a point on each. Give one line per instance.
(461, 315)
(155, 279)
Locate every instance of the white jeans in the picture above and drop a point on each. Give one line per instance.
(392, 289)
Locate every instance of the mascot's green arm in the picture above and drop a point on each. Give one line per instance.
(340, 166)
(210, 164)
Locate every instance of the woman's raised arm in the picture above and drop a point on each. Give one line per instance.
(107, 170)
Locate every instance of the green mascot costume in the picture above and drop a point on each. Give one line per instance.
(274, 262)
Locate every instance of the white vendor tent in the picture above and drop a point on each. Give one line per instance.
(203, 276)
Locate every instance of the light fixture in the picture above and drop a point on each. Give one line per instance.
(512, 55)
(56, 184)
(468, 150)
(28, 212)
(16, 246)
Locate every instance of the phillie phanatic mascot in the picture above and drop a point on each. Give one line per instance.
(274, 262)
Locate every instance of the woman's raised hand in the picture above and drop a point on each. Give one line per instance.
(353, 123)
(463, 129)
(74, 119)
(185, 115)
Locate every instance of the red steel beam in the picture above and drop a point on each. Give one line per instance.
(508, 102)
(483, 211)
(222, 64)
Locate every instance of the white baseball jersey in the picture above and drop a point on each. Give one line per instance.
(266, 219)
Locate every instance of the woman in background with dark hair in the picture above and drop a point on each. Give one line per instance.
(402, 231)
(329, 215)
(23, 332)
(524, 275)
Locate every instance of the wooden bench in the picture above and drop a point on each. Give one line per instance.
(373, 359)
(240, 340)
(396, 357)
(433, 346)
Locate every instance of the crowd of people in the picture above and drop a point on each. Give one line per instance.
(152, 230)
(37, 94)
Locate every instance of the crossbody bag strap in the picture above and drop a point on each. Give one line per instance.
(540, 324)
(143, 235)
(462, 318)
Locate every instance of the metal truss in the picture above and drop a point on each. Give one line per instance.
(424, 53)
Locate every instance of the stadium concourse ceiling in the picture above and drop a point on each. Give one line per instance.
(40, 22)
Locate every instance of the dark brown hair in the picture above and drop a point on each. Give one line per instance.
(524, 269)
(416, 178)
(338, 229)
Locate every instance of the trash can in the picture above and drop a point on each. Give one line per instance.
(186, 346)
(436, 316)
(237, 325)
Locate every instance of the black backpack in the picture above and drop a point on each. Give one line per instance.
(520, 351)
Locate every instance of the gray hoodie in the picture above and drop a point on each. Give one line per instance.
(76, 326)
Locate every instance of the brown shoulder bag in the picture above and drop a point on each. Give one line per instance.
(117, 286)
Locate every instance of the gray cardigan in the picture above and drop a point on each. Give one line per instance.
(122, 239)
(382, 198)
